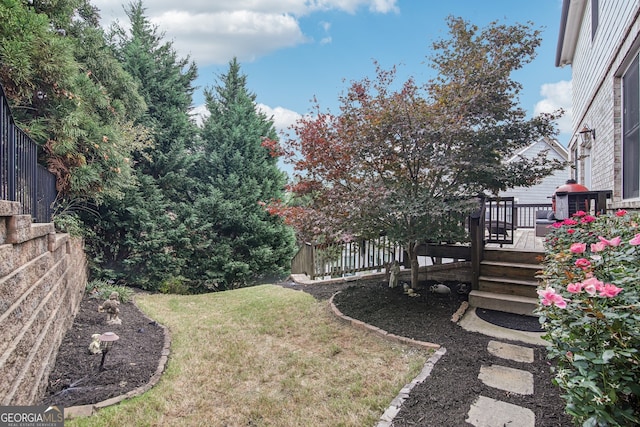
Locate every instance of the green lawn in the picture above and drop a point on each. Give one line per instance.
(264, 356)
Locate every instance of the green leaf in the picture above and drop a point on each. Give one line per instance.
(608, 355)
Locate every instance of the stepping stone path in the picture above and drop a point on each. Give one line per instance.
(487, 412)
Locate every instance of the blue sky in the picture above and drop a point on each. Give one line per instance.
(293, 50)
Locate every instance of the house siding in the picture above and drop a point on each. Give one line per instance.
(541, 192)
(597, 66)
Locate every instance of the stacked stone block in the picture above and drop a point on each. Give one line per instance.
(43, 276)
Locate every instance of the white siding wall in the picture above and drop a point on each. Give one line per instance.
(596, 69)
(592, 58)
(539, 193)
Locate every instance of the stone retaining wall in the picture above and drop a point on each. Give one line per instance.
(43, 275)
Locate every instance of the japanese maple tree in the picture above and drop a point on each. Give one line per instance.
(409, 160)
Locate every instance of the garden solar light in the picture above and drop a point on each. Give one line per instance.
(106, 343)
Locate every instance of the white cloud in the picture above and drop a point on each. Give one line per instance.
(282, 118)
(214, 31)
(556, 96)
(384, 6)
(216, 38)
(199, 114)
(350, 6)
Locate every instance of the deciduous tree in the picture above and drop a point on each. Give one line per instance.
(408, 160)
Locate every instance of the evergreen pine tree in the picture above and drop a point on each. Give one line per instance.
(235, 241)
(143, 234)
(70, 95)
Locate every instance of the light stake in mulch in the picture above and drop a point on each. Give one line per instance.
(107, 340)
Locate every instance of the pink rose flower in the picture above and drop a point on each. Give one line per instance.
(574, 288)
(592, 286)
(556, 225)
(570, 221)
(578, 248)
(580, 214)
(583, 263)
(613, 242)
(635, 241)
(550, 297)
(609, 290)
(587, 219)
(597, 247)
(571, 231)
(621, 212)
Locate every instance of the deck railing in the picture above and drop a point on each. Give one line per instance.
(493, 222)
(22, 179)
(526, 213)
(499, 219)
(344, 259)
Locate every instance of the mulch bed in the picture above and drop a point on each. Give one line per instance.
(442, 400)
(77, 379)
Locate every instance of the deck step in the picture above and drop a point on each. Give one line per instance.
(500, 302)
(513, 255)
(501, 285)
(511, 270)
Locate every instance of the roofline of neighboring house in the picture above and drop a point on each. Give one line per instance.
(561, 149)
(551, 142)
(572, 11)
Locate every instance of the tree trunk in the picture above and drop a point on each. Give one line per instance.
(412, 249)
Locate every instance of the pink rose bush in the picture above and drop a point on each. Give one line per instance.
(590, 309)
(578, 248)
(549, 297)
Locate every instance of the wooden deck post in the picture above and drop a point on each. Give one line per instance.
(476, 231)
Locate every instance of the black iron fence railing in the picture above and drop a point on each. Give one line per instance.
(499, 219)
(22, 179)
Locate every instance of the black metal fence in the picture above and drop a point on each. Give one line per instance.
(22, 179)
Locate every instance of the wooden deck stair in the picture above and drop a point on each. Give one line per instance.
(507, 281)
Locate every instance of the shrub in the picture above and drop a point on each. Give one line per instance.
(101, 289)
(590, 310)
(69, 223)
(175, 285)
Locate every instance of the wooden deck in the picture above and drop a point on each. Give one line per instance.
(524, 239)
